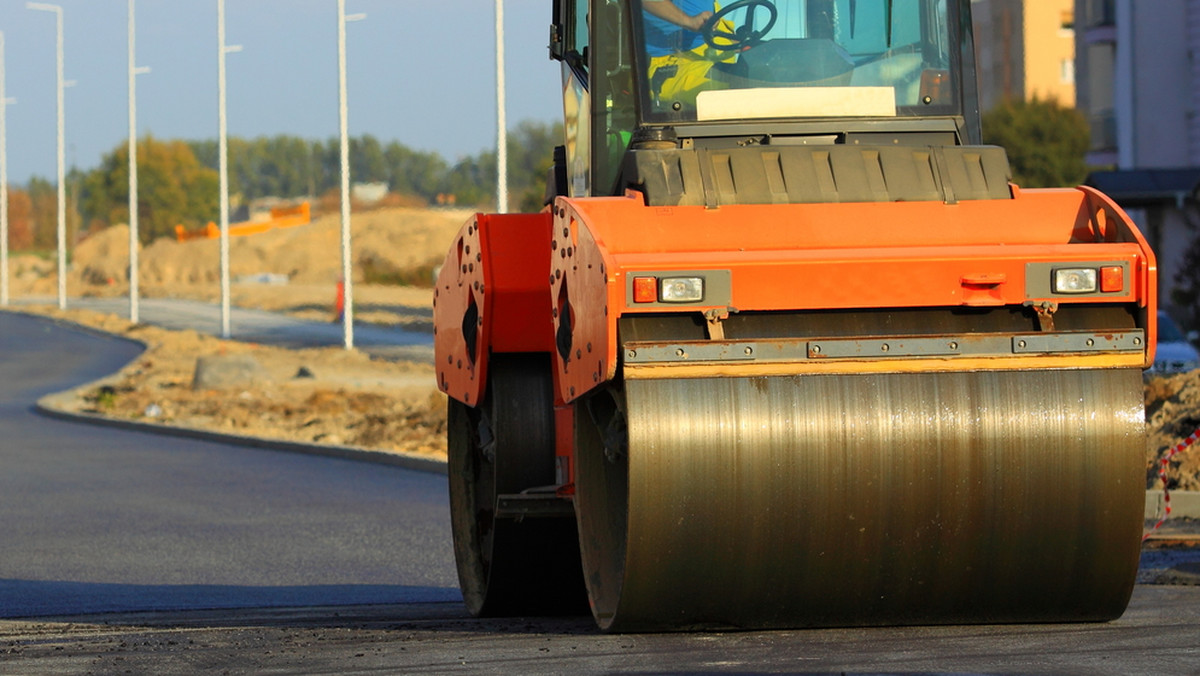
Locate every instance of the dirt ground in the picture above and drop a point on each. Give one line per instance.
(1172, 414)
(321, 395)
(325, 395)
(349, 398)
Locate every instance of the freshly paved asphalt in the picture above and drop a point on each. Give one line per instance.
(99, 520)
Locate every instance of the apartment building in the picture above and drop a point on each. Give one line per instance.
(1138, 74)
(1137, 81)
(1025, 49)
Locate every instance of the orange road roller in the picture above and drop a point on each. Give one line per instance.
(786, 347)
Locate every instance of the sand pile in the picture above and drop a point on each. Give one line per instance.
(392, 244)
(31, 274)
(103, 258)
(388, 241)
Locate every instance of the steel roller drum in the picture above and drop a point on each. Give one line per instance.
(832, 500)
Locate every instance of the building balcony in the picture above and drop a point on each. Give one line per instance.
(1104, 131)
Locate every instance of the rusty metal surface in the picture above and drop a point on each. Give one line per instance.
(865, 499)
(892, 347)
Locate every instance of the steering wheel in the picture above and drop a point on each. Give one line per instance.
(743, 37)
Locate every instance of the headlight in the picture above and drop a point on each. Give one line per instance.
(1075, 280)
(675, 288)
(681, 290)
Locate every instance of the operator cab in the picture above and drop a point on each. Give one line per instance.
(758, 73)
(763, 59)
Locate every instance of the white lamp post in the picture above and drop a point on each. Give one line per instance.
(134, 71)
(343, 116)
(223, 153)
(501, 122)
(62, 183)
(4, 101)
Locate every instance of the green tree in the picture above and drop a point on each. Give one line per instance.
(279, 166)
(20, 219)
(530, 154)
(412, 172)
(184, 174)
(472, 181)
(173, 188)
(43, 213)
(367, 163)
(328, 160)
(1046, 142)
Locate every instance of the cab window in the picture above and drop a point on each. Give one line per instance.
(796, 58)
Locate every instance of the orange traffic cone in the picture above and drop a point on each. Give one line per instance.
(339, 304)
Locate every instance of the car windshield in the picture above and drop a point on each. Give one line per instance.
(795, 58)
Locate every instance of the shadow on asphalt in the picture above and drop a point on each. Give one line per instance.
(38, 598)
(433, 616)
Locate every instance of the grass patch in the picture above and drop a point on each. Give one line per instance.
(419, 276)
(105, 397)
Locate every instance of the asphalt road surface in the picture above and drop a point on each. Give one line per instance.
(259, 326)
(125, 552)
(101, 520)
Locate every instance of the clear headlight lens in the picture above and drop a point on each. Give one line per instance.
(1075, 280)
(681, 290)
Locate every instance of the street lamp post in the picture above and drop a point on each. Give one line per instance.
(223, 154)
(62, 183)
(134, 71)
(501, 122)
(4, 101)
(343, 117)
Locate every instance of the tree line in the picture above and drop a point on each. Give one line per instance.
(178, 180)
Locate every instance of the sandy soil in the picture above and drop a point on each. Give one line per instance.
(293, 270)
(340, 398)
(1172, 414)
(351, 399)
(321, 395)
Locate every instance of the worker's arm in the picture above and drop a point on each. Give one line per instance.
(669, 11)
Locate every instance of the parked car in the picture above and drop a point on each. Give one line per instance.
(1174, 354)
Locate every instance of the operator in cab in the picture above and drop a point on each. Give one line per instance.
(679, 58)
(795, 58)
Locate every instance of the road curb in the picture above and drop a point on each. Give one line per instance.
(52, 406)
(1184, 504)
(56, 406)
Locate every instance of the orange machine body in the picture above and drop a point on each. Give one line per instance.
(490, 297)
(828, 256)
(557, 282)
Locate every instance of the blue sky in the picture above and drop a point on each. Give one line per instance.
(419, 72)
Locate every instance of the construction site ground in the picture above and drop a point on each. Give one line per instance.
(329, 395)
(324, 395)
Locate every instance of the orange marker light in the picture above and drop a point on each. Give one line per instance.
(1112, 279)
(645, 289)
